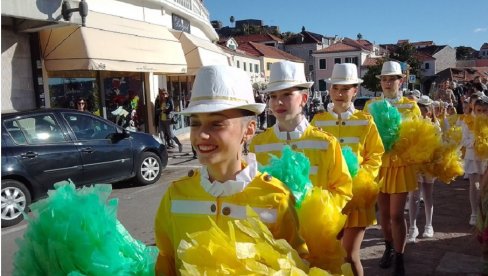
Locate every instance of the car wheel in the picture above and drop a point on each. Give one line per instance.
(149, 168)
(16, 199)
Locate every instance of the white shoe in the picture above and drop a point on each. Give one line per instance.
(413, 232)
(472, 220)
(428, 232)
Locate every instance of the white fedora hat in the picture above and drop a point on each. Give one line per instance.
(221, 87)
(344, 73)
(425, 100)
(391, 68)
(287, 74)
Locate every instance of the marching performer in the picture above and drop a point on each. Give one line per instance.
(357, 130)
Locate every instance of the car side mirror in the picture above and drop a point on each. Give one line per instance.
(117, 136)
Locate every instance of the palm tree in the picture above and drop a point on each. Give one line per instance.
(359, 36)
(232, 20)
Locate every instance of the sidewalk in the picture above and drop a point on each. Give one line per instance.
(453, 250)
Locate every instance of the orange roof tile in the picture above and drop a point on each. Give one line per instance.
(339, 47)
(257, 49)
(369, 61)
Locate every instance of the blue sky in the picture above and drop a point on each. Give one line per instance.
(451, 22)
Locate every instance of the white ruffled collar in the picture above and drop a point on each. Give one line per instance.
(295, 134)
(344, 115)
(392, 101)
(230, 187)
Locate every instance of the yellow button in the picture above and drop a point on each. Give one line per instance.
(268, 177)
(226, 211)
(213, 208)
(342, 140)
(343, 123)
(191, 173)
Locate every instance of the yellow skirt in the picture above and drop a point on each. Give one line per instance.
(396, 180)
(360, 217)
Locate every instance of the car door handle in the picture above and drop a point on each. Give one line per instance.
(29, 154)
(87, 150)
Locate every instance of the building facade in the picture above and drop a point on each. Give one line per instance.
(126, 51)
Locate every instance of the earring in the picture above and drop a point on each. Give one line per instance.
(245, 151)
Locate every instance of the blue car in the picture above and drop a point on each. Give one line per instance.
(42, 147)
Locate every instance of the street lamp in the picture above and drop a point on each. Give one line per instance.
(67, 11)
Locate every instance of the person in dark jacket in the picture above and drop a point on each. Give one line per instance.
(164, 106)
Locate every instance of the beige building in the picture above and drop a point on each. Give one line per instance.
(124, 53)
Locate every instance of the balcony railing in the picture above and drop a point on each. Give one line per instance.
(195, 6)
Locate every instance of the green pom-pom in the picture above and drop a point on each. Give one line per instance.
(388, 120)
(76, 232)
(351, 160)
(293, 169)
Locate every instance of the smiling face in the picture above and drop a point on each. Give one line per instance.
(218, 137)
(342, 95)
(287, 105)
(391, 85)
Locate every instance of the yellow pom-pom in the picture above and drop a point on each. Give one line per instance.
(453, 135)
(481, 136)
(446, 164)
(364, 189)
(417, 141)
(321, 220)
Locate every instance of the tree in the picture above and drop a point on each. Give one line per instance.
(287, 35)
(370, 81)
(359, 36)
(232, 19)
(406, 52)
(465, 53)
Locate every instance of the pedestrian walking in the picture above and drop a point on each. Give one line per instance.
(357, 130)
(398, 178)
(288, 95)
(164, 111)
(222, 115)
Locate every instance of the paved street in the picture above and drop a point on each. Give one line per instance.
(452, 251)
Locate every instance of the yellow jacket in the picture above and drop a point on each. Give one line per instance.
(186, 207)
(405, 106)
(408, 108)
(328, 169)
(358, 132)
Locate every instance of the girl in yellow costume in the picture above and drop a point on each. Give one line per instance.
(398, 178)
(426, 184)
(222, 119)
(474, 165)
(356, 129)
(288, 96)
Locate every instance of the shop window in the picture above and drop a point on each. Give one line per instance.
(179, 88)
(66, 87)
(124, 99)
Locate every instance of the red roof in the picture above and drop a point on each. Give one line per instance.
(423, 57)
(339, 47)
(257, 38)
(369, 61)
(258, 49)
